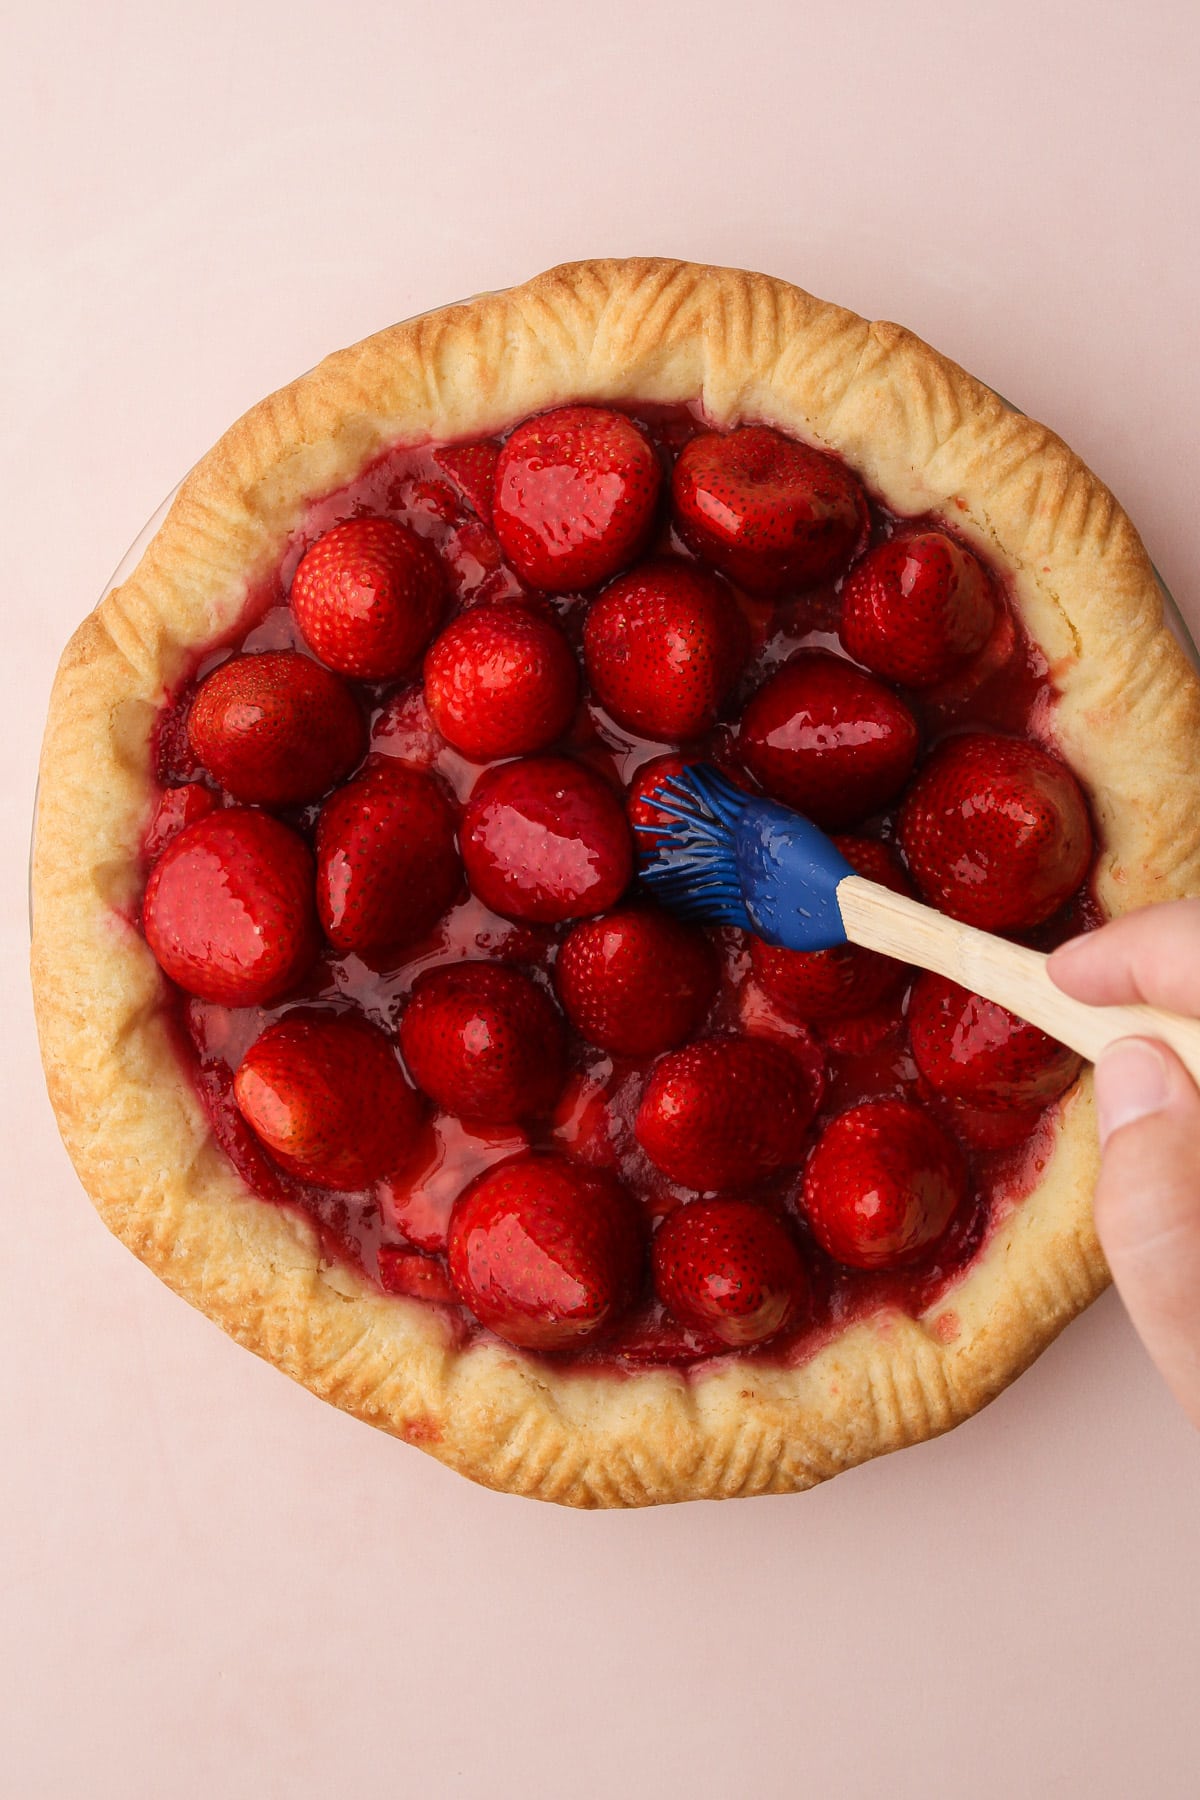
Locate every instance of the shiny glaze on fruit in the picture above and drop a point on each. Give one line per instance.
(1008, 688)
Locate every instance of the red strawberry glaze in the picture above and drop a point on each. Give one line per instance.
(178, 806)
(396, 1232)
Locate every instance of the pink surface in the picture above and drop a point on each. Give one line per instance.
(214, 1585)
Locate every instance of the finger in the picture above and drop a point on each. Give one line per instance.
(1148, 1204)
(1151, 955)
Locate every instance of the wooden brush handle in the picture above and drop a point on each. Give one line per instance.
(1007, 973)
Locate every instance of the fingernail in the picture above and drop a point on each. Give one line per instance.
(1132, 1081)
(1071, 948)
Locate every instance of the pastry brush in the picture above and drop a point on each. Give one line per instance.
(731, 858)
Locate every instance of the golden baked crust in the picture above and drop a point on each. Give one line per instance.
(924, 434)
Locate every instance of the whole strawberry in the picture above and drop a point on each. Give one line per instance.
(575, 497)
(726, 1111)
(276, 729)
(484, 1042)
(827, 739)
(501, 681)
(663, 646)
(995, 831)
(546, 839)
(882, 1185)
(843, 981)
(771, 514)
(917, 609)
(970, 1049)
(637, 981)
(546, 1253)
(228, 910)
(731, 1268)
(368, 596)
(328, 1098)
(387, 863)
(472, 469)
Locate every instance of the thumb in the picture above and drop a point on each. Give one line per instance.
(1148, 1203)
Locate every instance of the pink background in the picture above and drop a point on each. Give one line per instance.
(213, 1584)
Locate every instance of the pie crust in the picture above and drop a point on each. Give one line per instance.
(924, 435)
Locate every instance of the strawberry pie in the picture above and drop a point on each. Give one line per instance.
(360, 1026)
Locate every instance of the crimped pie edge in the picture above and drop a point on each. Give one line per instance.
(927, 437)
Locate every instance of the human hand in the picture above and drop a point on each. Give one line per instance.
(1148, 1195)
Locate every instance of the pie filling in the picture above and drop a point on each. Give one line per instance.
(510, 1148)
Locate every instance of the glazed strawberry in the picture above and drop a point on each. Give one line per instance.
(177, 807)
(501, 681)
(994, 1127)
(575, 496)
(412, 1273)
(546, 839)
(276, 729)
(731, 1268)
(663, 646)
(484, 1042)
(228, 910)
(387, 863)
(970, 1049)
(843, 981)
(368, 596)
(726, 1111)
(880, 1029)
(327, 1096)
(545, 1252)
(882, 1185)
(472, 469)
(828, 740)
(917, 609)
(264, 1177)
(771, 514)
(640, 802)
(637, 981)
(996, 831)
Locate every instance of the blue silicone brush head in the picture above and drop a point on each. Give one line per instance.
(730, 858)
